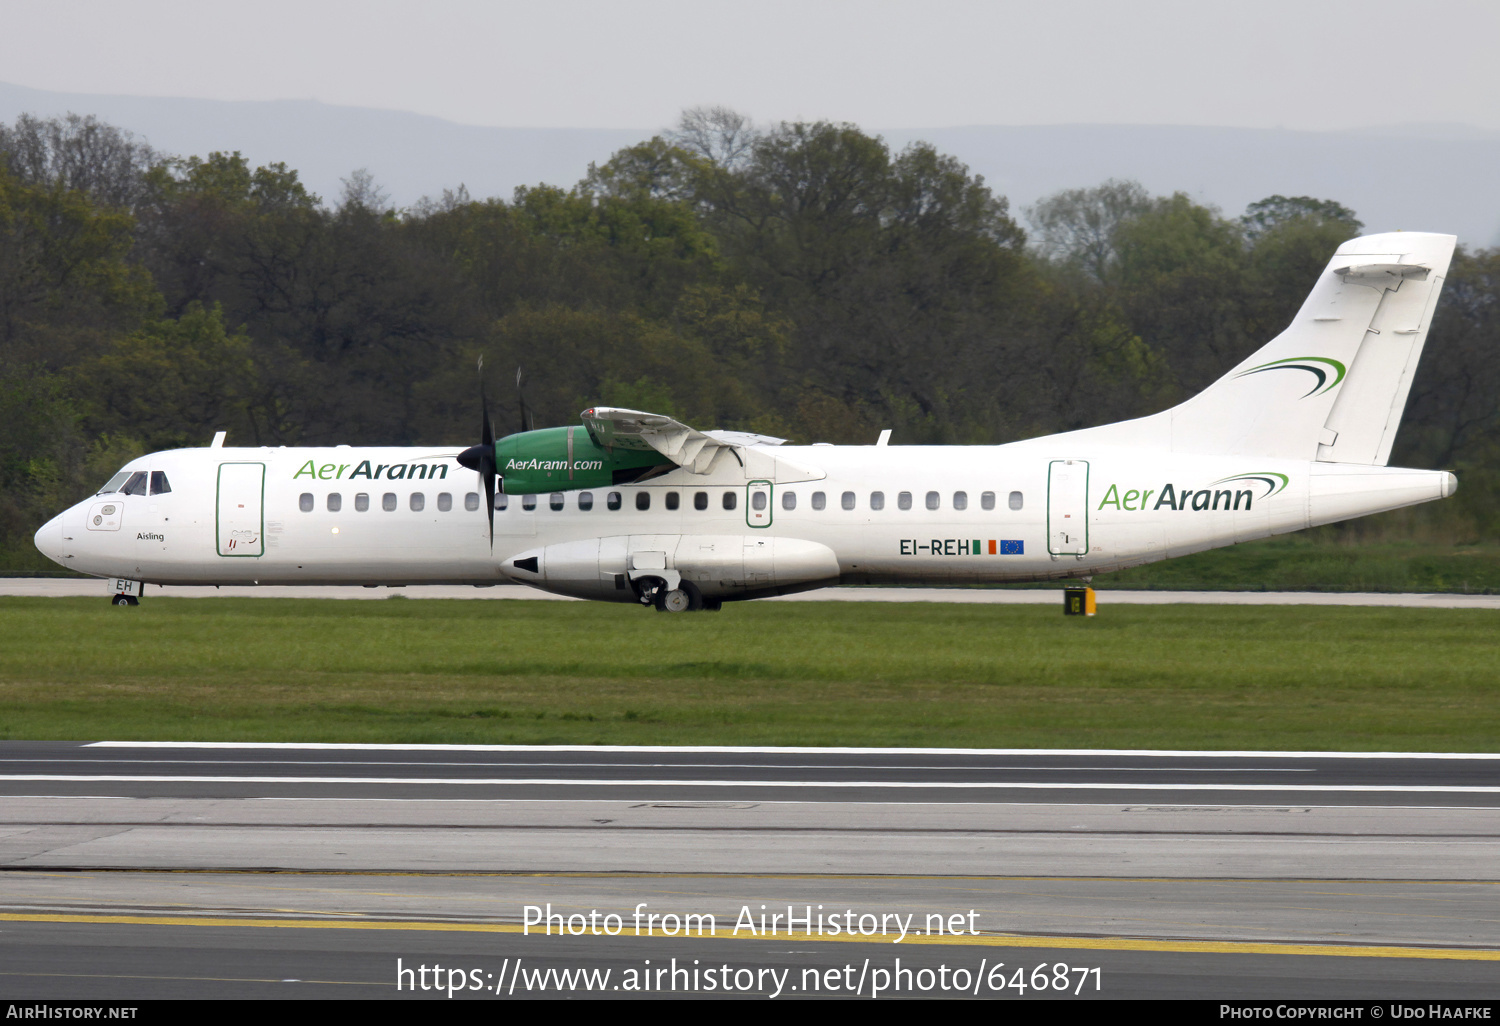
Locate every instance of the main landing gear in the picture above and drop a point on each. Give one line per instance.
(685, 598)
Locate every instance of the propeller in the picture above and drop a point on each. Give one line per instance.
(527, 422)
(481, 457)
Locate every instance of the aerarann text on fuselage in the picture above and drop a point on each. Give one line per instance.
(629, 506)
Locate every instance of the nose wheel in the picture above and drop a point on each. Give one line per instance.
(125, 600)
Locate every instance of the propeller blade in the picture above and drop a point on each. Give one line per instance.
(481, 457)
(527, 422)
(489, 494)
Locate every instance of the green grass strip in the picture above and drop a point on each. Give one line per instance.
(920, 674)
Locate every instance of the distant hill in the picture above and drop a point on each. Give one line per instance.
(1431, 178)
(1420, 177)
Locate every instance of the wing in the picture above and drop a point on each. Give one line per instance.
(693, 450)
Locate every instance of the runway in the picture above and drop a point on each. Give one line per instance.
(78, 588)
(1189, 874)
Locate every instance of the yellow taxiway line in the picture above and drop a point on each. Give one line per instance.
(952, 940)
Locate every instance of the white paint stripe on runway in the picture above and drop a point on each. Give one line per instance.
(752, 750)
(588, 782)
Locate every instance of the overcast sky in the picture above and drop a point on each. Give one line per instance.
(1307, 64)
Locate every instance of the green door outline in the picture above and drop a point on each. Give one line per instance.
(750, 492)
(218, 535)
(1083, 508)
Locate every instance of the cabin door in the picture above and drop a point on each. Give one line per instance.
(240, 517)
(1068, 507)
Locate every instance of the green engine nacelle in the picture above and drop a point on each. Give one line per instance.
(563, 458)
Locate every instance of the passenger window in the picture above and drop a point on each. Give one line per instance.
(471, 501)
(987, 500)
(335, 502)
(114, 483)
(305, 502)
(502, 502)
(820, 500)
(903, 500)
(788, 500)
(555, 500)
(758, 500)
(700, 500)
(528, 503)
(934, 500)
(388, 502)
(585, 501)
(877, 500)
(136, 485)
(362, 502)
(613, 500)
(1016, 500)
(643, 500)
(672, 500)
(847, 500)
(445, 502)
(730, 501)
(417, 502)
(960, 500)
(159, 484)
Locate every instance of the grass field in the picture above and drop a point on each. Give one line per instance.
(1302, 562)
(756, 674)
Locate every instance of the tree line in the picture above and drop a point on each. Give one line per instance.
(800, 280)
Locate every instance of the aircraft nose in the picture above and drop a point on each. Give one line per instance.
(49, 539)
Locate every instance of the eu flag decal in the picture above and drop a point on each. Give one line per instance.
(1012, 548)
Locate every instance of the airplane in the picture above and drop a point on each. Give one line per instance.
(629, 506)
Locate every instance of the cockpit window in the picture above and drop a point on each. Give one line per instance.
(136, 485)
(114, 483)
(159, 484)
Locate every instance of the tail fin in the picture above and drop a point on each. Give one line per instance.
(1333, 385)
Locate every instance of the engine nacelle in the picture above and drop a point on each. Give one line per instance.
(719, 566)
(564, 458)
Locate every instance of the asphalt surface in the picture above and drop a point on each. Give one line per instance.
(132, 871)
(603, 773)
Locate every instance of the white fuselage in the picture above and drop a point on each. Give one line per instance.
(796, 517)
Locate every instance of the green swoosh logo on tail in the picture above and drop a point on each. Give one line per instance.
(1273, 481)
(1309, 364)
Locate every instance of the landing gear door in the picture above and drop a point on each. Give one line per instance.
(1068, 507)
(240, 517)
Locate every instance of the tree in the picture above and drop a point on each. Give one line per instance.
(1077, 226)
(1268, 214)
(1291, 242)
(66, 277)
(172, 382)
(80, 154)
(1182, 280)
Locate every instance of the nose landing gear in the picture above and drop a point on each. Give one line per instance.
(125, 593)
